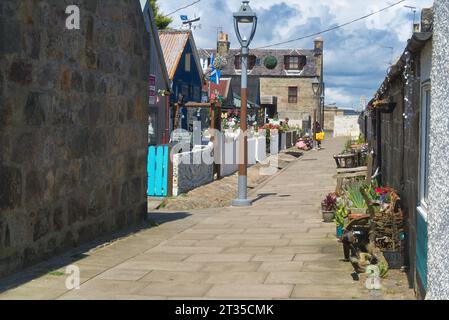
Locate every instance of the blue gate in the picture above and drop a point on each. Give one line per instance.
(158, 171)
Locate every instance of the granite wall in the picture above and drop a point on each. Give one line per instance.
(438, 218)
(73, 125)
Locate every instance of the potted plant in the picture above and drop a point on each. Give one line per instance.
(340, 216)
(328, 207)
(356, 203)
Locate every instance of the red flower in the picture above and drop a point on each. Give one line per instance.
(379, 190)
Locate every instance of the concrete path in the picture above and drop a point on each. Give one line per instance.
(276, 249)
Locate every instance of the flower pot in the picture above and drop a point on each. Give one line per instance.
(340, 232)
(328, 216)
(354, 212)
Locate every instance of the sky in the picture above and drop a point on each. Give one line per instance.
(356, 57)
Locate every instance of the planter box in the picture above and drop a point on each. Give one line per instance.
(386, 107)
(289, 139)
(394, 259)
(347, 160)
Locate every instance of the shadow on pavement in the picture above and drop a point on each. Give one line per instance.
(76, 254)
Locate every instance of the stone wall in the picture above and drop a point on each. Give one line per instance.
(329, 117)
(279, 87)
(438, 264)
(73, 125)
(346, 126)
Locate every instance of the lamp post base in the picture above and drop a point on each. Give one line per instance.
(241, 203)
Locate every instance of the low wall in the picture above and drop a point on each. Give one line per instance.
(346, 126)
(192, 170)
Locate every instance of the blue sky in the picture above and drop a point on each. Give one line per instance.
(356, 57)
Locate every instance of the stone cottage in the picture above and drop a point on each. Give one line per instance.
(399, 137)
(286, 90)
(73, 125)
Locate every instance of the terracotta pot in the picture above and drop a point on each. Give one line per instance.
(358, 211)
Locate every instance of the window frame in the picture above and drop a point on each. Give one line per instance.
(426, 100)
(293, 98)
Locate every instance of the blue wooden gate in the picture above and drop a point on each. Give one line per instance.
(158, 171)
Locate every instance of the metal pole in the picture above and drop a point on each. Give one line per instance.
(243, 161)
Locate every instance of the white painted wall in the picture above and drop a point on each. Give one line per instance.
(346, 126)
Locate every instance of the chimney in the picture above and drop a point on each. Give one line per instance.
(427, 20)
(318, 46)
(223, 44)
(318, 50)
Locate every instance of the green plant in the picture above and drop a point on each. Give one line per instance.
(361, 139)
(340, 215)
(160, 19)
(355, 197)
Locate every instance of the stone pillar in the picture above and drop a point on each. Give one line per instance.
(438, 247)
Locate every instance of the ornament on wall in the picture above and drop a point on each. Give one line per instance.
(270, 62)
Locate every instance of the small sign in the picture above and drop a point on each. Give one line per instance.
(152, 94)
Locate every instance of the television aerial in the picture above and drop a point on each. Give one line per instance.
(189, 23)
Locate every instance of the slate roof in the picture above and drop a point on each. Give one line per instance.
(310, 69)
(173, 43)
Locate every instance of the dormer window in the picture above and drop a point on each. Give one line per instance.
(294, 62)
(252, 59)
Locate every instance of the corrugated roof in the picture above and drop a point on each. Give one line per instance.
(173, 43)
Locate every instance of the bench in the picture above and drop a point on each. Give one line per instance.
(351, 173)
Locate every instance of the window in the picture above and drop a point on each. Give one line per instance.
(292, 94)
(294, 62)
(187, 62)
(237, 62)
(252, 60)
(424, 149)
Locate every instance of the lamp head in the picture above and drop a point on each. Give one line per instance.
(245, 16)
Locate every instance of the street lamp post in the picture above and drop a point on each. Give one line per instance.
(245, 16)
(316, 88)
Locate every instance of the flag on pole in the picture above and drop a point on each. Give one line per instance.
(215, 74)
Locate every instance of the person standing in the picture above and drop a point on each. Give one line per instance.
(318, 131)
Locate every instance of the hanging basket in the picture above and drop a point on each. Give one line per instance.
(384, 106)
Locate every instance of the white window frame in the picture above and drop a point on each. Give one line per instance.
(426, 99)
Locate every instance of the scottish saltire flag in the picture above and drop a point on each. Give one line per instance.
(184, 18)
(215, 74)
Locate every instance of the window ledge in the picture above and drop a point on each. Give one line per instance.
(423, 211)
